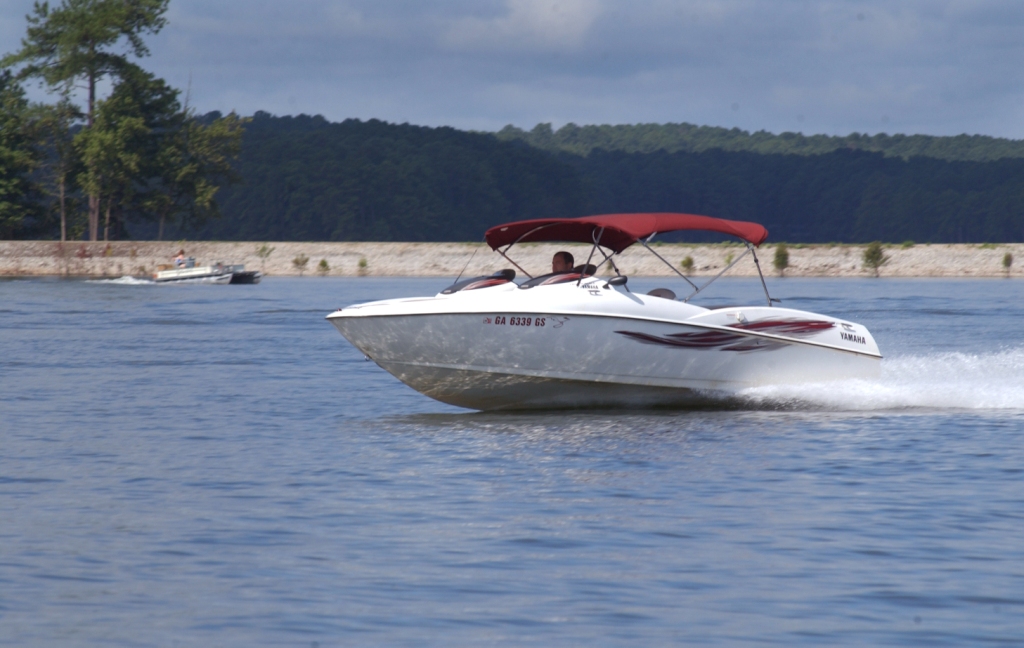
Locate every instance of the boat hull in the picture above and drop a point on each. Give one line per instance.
(490, 390)
(196, 279)
(490, 361)
(246, 277)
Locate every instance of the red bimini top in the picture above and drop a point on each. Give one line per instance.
(617, 231)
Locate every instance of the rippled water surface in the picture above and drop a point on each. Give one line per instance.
(216, 466)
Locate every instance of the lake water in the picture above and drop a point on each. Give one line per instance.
(217, 466)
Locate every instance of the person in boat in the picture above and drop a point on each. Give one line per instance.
(561, 262)
(179, 260)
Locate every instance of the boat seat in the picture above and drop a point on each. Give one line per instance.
(586, 269)
(664, 293)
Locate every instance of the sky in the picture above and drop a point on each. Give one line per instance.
(937, 67)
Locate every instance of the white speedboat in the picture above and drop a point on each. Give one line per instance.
(217, 273)
(578, 340)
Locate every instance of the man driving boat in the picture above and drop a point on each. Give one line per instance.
(561, 262)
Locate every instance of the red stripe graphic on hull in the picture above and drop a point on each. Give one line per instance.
(727, 341)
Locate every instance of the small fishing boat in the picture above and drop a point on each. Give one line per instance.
(217, 273)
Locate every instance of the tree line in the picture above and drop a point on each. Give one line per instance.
(845, 196)
(672, 138)
(309, 179)
(136, 155)
(306, 178)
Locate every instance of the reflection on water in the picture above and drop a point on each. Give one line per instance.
(210, 466)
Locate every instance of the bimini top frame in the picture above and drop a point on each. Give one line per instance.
(616, 232)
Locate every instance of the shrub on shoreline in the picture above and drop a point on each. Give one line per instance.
(874, 256)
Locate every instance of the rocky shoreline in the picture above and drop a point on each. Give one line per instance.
(141, 259)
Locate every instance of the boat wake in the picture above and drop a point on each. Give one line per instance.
(124, 281)
(989, 381)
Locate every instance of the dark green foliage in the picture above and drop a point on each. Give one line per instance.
(874, 256)
(139, 155)
(81, 41)
(18, 158)
(308, 179)
(84, 38)
(183, 158)
(53, 133)
(845, 196)
(150, 160)
(781, 259)
(305, 178)
(672, 138)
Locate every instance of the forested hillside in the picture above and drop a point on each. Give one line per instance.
(650, 138)
(843, 196)
(308, 179)
(305, 178)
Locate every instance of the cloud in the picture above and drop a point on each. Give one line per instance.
(525, 25)
(832, 66)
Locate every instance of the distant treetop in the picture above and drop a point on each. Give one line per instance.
(648, 138)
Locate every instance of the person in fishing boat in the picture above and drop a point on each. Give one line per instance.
(179, 261)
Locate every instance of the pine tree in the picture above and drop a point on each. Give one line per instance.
(17, 158)
(78, 42)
